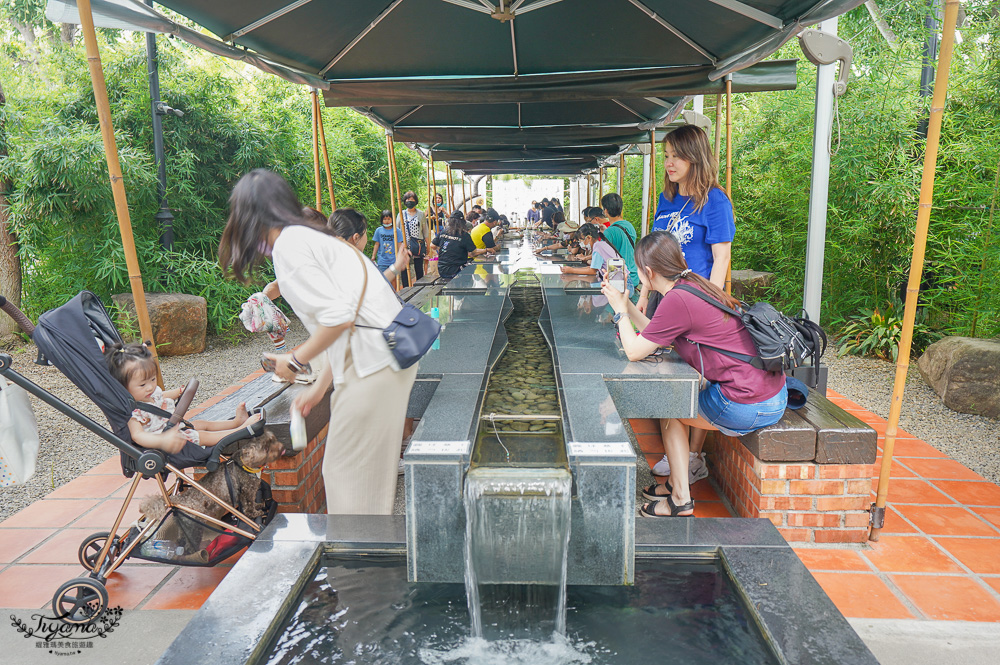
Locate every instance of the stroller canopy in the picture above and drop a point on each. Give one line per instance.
(67, 336)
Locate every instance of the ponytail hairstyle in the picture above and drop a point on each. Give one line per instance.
(347, 222)
(126, 361)
(660, 252)
(690, 142)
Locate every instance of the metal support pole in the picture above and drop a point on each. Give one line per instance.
(647, 220)
(698, 104)
(917, 261)
(819, 188)
(115, 173)
(392, 202)
(163, 215)
(729, 165)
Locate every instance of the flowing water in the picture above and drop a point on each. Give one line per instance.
(362, 610)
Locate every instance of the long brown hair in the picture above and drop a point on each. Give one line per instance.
(660, 252)
(262, 200)
(690, 142)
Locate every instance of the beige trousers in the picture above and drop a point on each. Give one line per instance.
(361, 460)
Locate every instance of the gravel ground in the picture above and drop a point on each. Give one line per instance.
(972, 440)
(68, 450)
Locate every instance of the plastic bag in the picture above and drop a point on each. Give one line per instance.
(18, 435)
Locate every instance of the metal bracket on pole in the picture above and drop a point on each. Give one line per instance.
(823, 48)
(876, 519)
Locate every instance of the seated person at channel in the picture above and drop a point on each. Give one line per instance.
(593, 241)
(738, 399)
(532, 215)
(454, 246)
(598, 218)
(484, 235)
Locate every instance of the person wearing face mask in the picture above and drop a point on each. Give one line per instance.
(592, 241)
(414, 224)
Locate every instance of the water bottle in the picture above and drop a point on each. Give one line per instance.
(162, 548)
(436, 315)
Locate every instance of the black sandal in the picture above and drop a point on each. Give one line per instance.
(649, 509)
(650, 492)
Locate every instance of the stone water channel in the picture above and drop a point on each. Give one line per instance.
(523, 382)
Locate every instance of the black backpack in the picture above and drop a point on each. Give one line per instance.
(783, 343)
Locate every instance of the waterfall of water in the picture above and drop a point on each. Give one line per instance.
(517, 536)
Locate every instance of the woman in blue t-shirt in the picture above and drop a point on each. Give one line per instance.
(699, 214)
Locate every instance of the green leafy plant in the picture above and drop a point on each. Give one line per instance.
(877, 334)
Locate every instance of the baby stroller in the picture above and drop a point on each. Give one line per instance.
(72, 337)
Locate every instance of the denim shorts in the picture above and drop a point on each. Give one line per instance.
(735, 419)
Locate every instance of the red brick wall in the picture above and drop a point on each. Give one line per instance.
(297, 481)
(807, 502)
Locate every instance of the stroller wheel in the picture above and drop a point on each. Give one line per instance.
(81, 601)
(91, 547)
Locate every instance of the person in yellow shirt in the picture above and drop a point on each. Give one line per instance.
(484, 235)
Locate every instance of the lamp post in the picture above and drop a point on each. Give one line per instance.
(159, 109)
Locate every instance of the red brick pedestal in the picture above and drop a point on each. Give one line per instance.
(807, 502)
(297, 481)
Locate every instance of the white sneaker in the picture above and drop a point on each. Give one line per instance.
(697, 469)
(662, 468)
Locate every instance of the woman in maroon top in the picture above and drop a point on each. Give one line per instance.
(736, 398)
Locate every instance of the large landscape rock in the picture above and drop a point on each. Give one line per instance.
(750, 285)
(965, 372)
(179, 321)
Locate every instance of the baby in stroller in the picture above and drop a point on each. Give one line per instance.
(133, 366)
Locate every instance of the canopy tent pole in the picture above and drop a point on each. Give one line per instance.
(398, 198)
(621, 175)
(392, 200)
(729, 167)
(451, 190)
(718, 127)
(326, 155)
(465, 209)
(819, 185)
(648, 219)
(645, 194)
(314, 100)
(917, 261)
(115, 173)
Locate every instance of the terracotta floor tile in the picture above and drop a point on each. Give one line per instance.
(912, 490)
(945, 469)
(993, 582)
(187, 589)
(49, 513)
(896, 524)
(60, 548)
(862, 596)
(704, 491)
(947, 521)
(909, 554)
(711, 509)
(15, 542)
(103, 515)
(913, 448)
(898, 470)
(131, 584)
(991, 515)
(838, 560)
(88, 487)
(31, 587)
(645, 425)
(979, 554)
(949, 598)
(109, 467)
(971, 493)
(650, 443)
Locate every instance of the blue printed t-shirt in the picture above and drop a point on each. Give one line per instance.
(697, 231)
(621, 236)
(382, 237)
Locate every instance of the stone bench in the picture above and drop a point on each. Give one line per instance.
(297, 478)
(810, 473)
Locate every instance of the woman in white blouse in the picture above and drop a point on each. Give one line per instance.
(321, 277)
